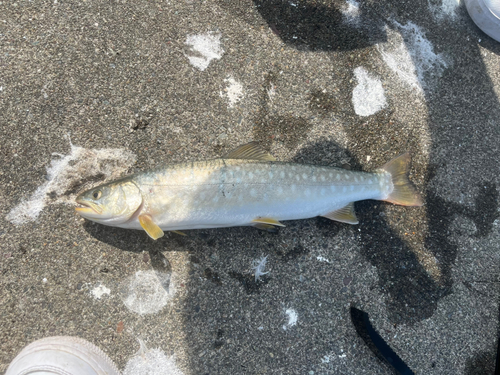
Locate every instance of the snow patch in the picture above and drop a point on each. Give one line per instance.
(259, 266)
(67, 171)
(368, 96)
(151, 362)
(322, 259)
(100, 291)
(204, 49)
(351, 12)
(411, 56)
(441, 9)
(233, 92)
(145, 292)
(292, 318)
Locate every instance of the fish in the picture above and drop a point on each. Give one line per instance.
(246, 187)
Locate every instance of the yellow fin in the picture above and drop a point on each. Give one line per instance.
(267, 220)
(344, 215)
(404, 193)
(267, 227)
(153, 230)
(179, 232)
(250, 151)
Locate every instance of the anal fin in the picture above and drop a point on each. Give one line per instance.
(344, 215)
(268, 220)
(150, 227)
(179, 232)
(267, 227)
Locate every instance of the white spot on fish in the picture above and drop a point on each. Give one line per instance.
(206, 47)
(297, 177)
(314, 178)
(307, 192)
(294, 188)
(253, 192)
(293, 168)
(215, 199)
(270, 174)
(282, 174)
(338, 177)
(346, 176)
(361, 178)
(356, 179)
(370, 181)
(279, 190)
(330, 175)
(304, 176)
(250, 175)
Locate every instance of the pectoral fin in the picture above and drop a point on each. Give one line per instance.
(268, 221)
(153, 230)
(344, 215)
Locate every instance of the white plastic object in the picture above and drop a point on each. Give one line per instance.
(62, 355)
(486, 15)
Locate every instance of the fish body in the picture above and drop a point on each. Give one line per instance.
(246, 187)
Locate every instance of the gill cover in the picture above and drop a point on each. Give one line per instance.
(110, 204)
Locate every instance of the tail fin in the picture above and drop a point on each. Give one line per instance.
(404, 193)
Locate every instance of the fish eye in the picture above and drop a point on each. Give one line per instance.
(97, 194)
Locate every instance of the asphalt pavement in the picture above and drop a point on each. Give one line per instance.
(93, 90)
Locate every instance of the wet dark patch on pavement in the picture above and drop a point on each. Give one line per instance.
(248, 282)
(212, 276)
(322, 103)
(280, 128)
(293, 254)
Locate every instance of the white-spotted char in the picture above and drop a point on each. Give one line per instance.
(245, 187)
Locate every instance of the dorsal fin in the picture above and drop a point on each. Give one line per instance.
(250, 151)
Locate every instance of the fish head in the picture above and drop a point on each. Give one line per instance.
(110, 204)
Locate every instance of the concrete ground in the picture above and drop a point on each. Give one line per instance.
(92, 90)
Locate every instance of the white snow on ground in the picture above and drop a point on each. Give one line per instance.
(67, 171)
(259, 265)
(441, 9)
(151, 362)
(144, 292)
(204, 49)
(233, 92)
(100, 291)
(411, 56)
(292, 318)
(350, 12)
(368, 96)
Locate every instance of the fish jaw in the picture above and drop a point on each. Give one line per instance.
(88, 209)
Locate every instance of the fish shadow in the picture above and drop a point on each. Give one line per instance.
(314, 27)
(412, 294)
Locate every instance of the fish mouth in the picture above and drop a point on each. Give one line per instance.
(84, 207)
